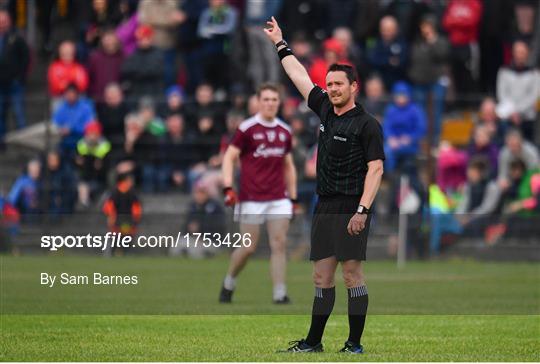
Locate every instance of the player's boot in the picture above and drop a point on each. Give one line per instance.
(352, 348)
(225, 296)
(283, 301)
(301, 346)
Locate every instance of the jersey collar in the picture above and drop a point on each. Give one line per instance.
(358, 109)
(261, 121)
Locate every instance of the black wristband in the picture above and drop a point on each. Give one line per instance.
(226, 189)
(284, 52)
(294, 200)
(280, 43)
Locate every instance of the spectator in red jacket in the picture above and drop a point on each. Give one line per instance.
(65, 71)
(104, 65)
(333, 52)
(462, 21)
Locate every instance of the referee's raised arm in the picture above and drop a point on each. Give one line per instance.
(294, 69)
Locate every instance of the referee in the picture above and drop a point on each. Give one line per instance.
(349, 170)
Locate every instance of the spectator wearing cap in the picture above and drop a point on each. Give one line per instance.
(333, 52)
(104, 65)
(429, 56)
(65, 70)
(404, 126)
(175, 100)
(142, 72)
(518, 90)
(164, 16)
(14, 61)
(91, 159)
(71, 117)
(388, 55)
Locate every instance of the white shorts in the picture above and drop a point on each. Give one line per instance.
(257, 212)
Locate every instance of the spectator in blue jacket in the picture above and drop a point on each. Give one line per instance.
(388, 56)
(25, 192)
(404, 126)
(71, 117)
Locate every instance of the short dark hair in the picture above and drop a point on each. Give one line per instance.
(480, 164)
(350, 72)
(518, 164)
(267, 86)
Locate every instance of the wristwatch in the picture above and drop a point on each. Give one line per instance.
(362, 210)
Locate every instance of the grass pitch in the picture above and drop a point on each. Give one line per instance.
(434, 311)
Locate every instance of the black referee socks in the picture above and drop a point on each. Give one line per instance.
(358, 303)
(323, 303)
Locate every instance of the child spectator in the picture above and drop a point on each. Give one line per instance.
(92, 152)
(451, 168)
(480, 199)
(123, 209)
(25, 194)
(404, 126)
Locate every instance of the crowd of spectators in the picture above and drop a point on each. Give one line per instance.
(156, 88)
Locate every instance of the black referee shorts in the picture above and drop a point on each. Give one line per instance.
(329, 235)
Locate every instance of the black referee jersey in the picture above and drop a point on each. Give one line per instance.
(346, 144)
